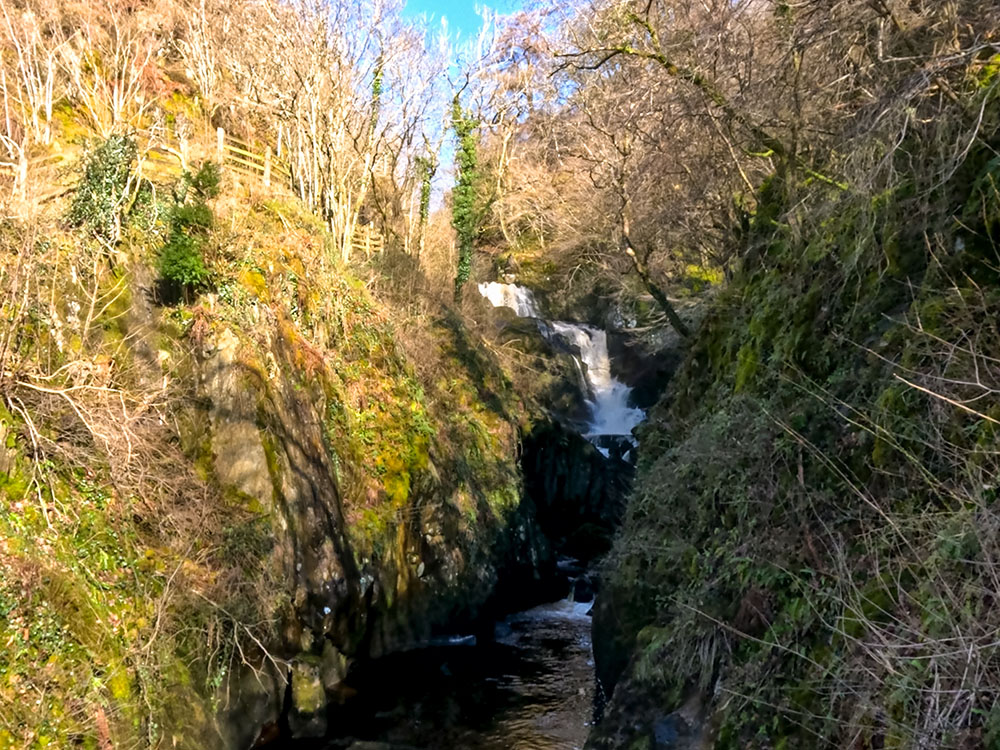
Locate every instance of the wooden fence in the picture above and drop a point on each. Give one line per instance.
(168, 155)
(238, 155)
(367, 240)
(40, 173)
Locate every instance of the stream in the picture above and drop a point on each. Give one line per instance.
(530, 687)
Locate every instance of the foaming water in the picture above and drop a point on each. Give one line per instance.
(517, 298)
(530, 689)
(610, 413)
(611, 416)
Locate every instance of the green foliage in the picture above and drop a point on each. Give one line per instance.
(102, 199)
(426, 167)
(466, 199)
(798, 499)
(206, 180)
(181, 261)
(377, 85)
(194, 217)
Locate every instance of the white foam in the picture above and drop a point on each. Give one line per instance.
(517, 298)
(564, 609)
(610, 413)
(607, 397)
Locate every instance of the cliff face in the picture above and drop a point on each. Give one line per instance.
(808, 556)
(204, 501)
(372, 559)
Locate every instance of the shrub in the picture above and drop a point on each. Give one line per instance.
(206, 181)
(102, 198)
(182, 264)
(181, 261)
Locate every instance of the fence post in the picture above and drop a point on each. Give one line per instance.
(22, 176)
(220, 136)
(267, 167)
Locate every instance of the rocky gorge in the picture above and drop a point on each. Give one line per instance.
(614, 375)
(424, 573)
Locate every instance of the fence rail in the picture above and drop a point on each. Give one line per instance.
(39, 172)
(235, 153)
(168, 155)
(368, 240)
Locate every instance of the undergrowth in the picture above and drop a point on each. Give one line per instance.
(812, 544)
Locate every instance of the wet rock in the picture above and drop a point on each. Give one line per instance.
(645, 362)
(612, 643)
(555, 379)
(254, 696)
(589, 540)
(627, 723)
(583, 589)
(307, 714)
(672, 733)
(578, 492)
(684, 729)
(333, 666)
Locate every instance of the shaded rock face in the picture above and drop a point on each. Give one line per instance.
(267, 445)
(579, 494)
(347, 601)
(612, 647)
(636, 720)
(256, 700)
(645, 363)
(555, 378)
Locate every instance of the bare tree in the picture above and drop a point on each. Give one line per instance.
(31, 85)
(107, 60)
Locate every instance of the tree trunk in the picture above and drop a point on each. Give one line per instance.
(651, 286)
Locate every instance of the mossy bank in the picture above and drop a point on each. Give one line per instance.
(809, 557)
(217, 480)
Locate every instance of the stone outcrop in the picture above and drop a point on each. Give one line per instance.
(350, 597)
(578, 492)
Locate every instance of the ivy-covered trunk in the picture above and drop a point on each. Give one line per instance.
(465, 215)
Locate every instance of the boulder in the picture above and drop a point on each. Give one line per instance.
(307, 712)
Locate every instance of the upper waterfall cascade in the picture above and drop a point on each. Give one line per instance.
(608, 398)
(517, 298)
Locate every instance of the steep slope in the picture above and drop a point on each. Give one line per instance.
(214, 486)
(810, 556)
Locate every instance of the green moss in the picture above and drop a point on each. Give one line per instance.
(791, 472)
(696, 279)
(747, 362)
(308, 696)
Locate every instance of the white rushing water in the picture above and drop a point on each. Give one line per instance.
(517, 298)
(607, 397)
(610, 413)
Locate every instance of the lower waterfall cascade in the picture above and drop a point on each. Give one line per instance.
(612, 418)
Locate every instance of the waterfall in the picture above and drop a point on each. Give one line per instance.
(610, 413)
(607, 397)
(517, 298)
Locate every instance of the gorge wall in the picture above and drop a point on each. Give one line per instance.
(807, 557)
(263, 488)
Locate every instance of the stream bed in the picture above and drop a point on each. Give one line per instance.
(532, 688)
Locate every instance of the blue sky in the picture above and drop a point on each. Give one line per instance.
(461, 14)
